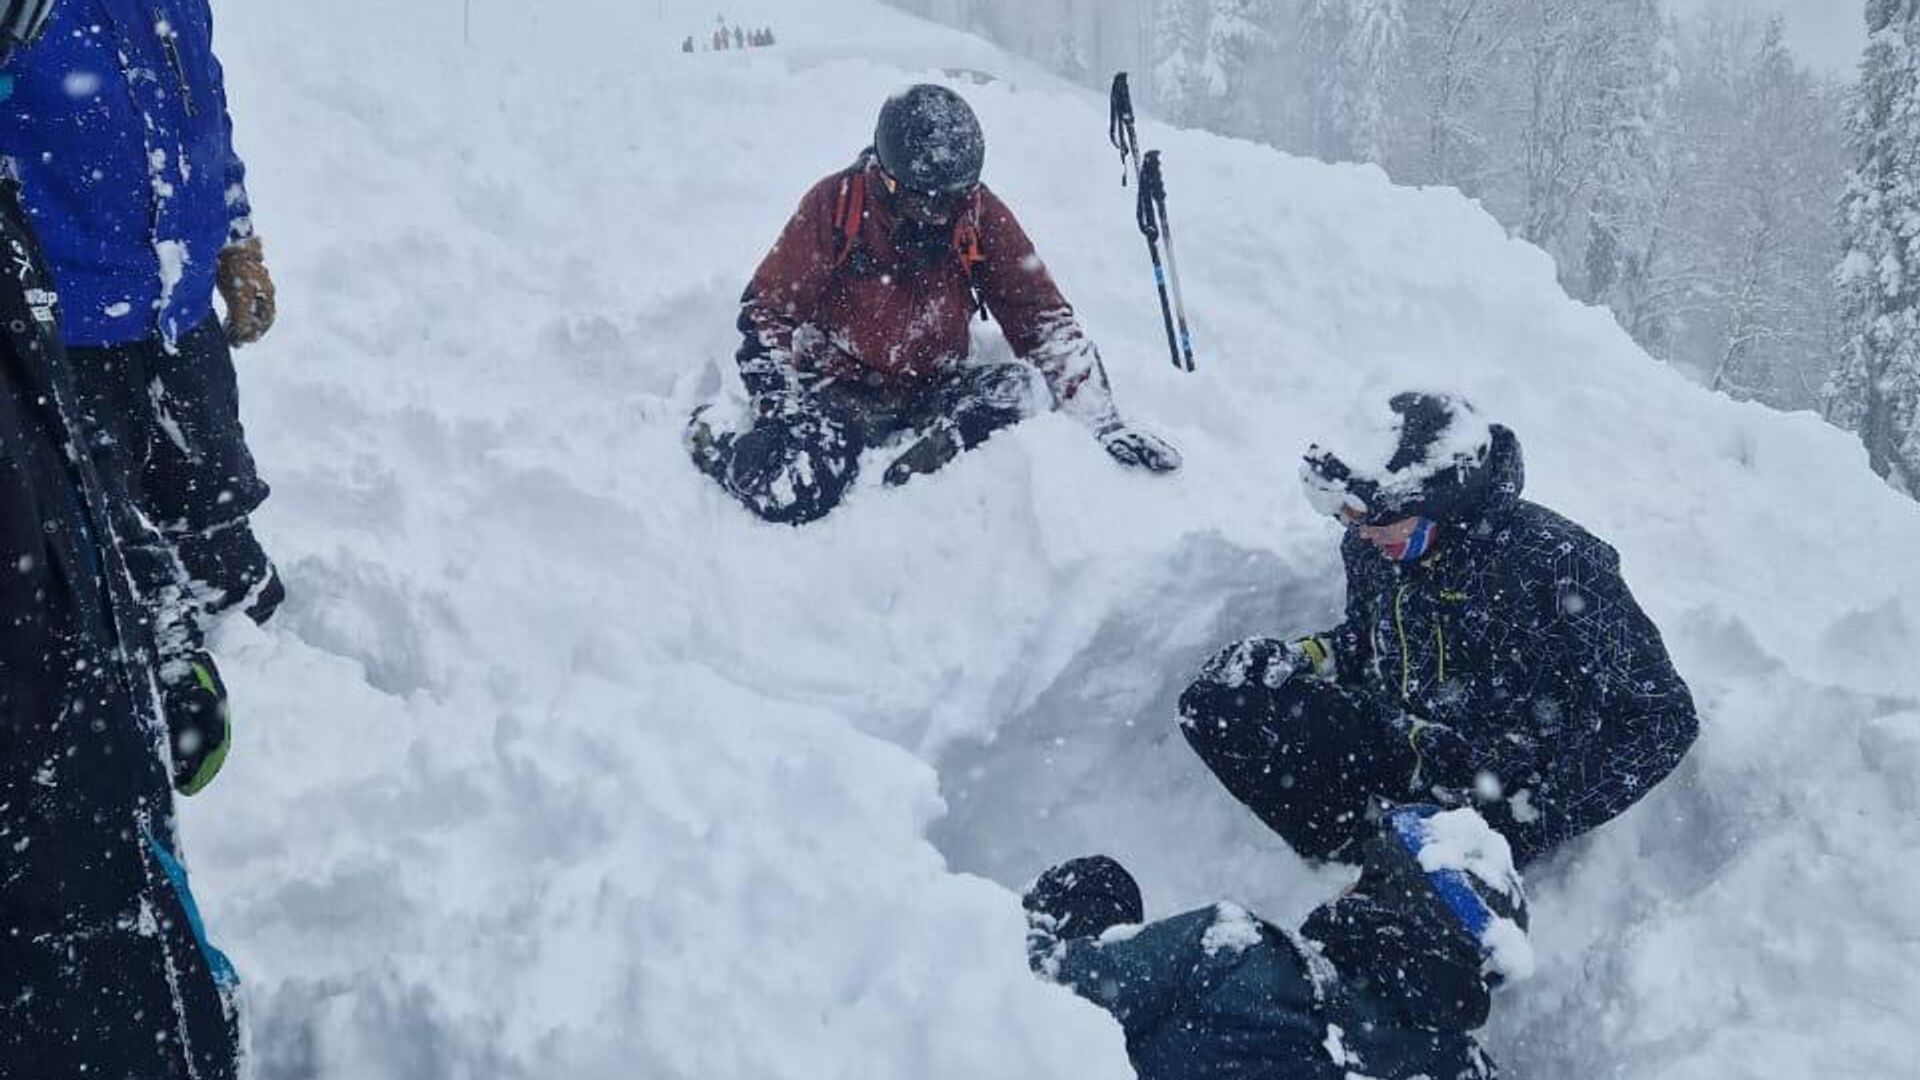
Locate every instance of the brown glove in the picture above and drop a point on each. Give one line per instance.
(248, 290)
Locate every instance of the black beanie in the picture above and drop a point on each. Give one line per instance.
(1086, 897)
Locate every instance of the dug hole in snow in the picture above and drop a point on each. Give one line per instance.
(557, 764)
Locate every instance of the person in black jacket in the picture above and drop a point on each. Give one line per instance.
(106, 705)
(1388, 981)
(1491, 656)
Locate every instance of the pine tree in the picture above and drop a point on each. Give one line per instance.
(1178, 41)
(1353, 54)
(1878, 390)
(1376, 40)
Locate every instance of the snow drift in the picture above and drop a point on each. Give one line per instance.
(559, 765)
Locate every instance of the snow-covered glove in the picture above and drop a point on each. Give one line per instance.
(247, 288)
(199, 723)
(783, 405)
(1270, 662)
(1137, 449)
(1267, 662)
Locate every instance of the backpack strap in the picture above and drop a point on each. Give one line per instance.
(966, 247)
(850, 210)
(849, 214)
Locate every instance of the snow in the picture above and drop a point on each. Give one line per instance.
(1233, 930)
(557, 764)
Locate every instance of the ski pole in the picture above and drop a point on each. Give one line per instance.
(1153, 188)
(1151, 215)
(1120, 129)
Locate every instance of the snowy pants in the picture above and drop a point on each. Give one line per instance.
(796, 467)
(105, 968)
(169, 425)
(1311, 760)
(130, 991)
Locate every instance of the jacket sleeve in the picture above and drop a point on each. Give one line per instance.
(786, 292)
(1345, 653)
(1621, 720)
(1139, 977)
(1039, 323)
(239, 205)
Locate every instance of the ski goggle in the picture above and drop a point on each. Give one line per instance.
(21, 23)
(915, 202)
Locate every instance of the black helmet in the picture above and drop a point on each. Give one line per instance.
(22, 22)
(929, 140)
(1086, 897)
(1438, 466)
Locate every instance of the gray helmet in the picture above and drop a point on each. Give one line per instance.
(930, 141)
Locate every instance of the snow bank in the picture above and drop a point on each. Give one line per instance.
(559, 765)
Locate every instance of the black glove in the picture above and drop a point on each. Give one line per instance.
(1137, 449)
(1267, 662)
(199, 723)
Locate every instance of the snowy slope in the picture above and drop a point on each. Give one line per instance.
(558, 765)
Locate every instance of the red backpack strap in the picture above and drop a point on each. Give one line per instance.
(966, 247)
(849, 211)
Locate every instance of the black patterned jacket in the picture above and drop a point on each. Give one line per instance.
(1528, 678)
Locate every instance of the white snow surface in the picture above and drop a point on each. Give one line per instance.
(557, 764)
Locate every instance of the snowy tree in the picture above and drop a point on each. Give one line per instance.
(1878, 388)
(1354, 52)
(1454, 48)
(1235, 38)
(1625, 108)
(1179, 37)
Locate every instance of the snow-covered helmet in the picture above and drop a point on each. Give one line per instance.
(22, 22)
(930, 141)
(1433, 463)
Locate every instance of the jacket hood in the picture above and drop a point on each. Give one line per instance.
(1501, 485)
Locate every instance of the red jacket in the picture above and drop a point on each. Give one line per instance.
(828, 303)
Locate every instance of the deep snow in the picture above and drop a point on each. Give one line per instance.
(558, 765)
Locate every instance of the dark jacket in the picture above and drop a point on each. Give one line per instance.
(1516, 651)
(1216, 994)
(104, 969)
(862, 303)
(119, 124)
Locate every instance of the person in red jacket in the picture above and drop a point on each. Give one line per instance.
(856, 335)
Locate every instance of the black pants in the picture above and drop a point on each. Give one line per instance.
(130, 993)
(795, 467)
(1310, 759)
(168, 425)
(105, 967)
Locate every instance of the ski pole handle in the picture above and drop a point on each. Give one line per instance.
(1120, 126)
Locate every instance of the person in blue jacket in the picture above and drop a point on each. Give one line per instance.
(1388, 981)
(119, 124)
(105, 967)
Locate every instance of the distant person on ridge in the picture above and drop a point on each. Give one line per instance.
(856, 327)
(1388, 981)
(1491, 656)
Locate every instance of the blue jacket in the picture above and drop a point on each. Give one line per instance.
(118, 123)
